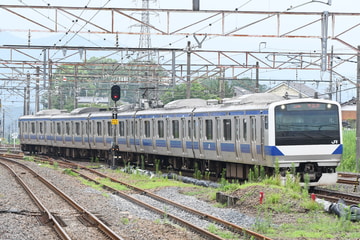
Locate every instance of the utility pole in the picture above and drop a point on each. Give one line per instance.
(188, 64)
(358, 110)
(76, 87)
(27, 95)
(37, 90)
(257, 78)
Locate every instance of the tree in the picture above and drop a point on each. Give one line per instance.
(95, 80)
(179, 92)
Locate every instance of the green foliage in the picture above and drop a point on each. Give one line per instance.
(348, 161)
(157, 165)
(179, 92)
(221, 232)
(70, 172)
(125, 221)
(29, 158)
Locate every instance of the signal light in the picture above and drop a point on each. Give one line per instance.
(115, 93)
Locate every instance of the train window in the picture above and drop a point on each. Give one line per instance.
(194, 128)
(32, 127)
(209, 129)
(121, 128)
(200, 126)
(41, 128)
(58, 128)
(98, 128)
(189, 128)
(109, 128)
(136, 128)
(237, 129)
(227, 129)
(67, 128)
(266, 122)
(218, 128)
(132, 128)
(160, 124)
(253, 128)
(77, 128)
(147, 128)
(245, 129)
(175, 128)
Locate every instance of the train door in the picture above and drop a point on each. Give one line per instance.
(140, 134)
(201, 138)
(253, 137)
(237, 138)
(82, 132)
(153, 134)
(262, 136)
(128, 133)
(168, 135)
(218, 136)
(183, 135)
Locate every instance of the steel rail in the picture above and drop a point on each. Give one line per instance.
(45, 212)
(86, 214)
(233, 227)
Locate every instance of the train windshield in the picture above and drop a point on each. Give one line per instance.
(307, 124)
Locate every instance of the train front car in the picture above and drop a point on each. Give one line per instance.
(306, 134)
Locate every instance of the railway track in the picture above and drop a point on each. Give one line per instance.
(94, 176)
(350, 179)
(68, 219)
(334, 196)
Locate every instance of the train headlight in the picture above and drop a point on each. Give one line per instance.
(282, 107)
(328, 106)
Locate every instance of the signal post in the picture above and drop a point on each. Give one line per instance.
(115, 96)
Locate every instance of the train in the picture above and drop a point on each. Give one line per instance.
(233, 135)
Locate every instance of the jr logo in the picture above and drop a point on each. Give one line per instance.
(335, 142)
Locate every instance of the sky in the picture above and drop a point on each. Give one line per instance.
(210, 43)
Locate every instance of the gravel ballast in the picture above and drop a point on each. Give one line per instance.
(125, 218)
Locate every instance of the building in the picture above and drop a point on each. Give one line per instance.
(291, 89)
(93, 100)
(348, 110)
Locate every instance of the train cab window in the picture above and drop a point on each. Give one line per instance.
(77, 128)
(58, 128)
(147, 128)
(67, 128)
(161, 128)
(227, 129)
(121, 128)
(245, 129)
(209, 129)
(32, 127)
(175, 128)
(98, 128)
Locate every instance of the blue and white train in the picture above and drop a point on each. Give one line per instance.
(235, 134)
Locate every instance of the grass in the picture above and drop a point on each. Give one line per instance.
(348, 161)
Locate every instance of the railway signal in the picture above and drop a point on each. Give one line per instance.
(115, 93)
